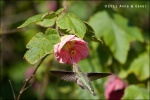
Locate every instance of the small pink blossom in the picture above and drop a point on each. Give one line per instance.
(71, 49)
(52, 5)
(28, 72)
(114, 88)
(34, 82)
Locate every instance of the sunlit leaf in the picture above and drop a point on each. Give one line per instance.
(59, 11)
(32, 19)
(134, 34)
(47, 22)
(49, 15)
(140, 66)
(72, 24)
(136, 93)
(40, 17)
(41, 45)
(116, 33)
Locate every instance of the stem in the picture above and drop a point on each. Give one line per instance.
(27, 80)
(12, 90)
(64, 5)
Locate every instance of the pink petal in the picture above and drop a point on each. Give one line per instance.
(62, 56)
(76, 57)
(56, 46)
(112, 86)
(79, 40)
(83, 50)
(65, 39)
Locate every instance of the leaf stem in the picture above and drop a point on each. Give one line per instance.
(27, 80)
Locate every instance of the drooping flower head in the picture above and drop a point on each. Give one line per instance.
(71, 49)
(114, 88)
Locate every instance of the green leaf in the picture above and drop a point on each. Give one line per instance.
(72, 24)
(59, 11)
(140, 66)
(32, 19)
(136, 93)
(47, 22)
(116, 33)
(114, 36)
(41, 45)
(133, 32)
(42, 19)
(90, 34)
(49, 15)
(49, 18)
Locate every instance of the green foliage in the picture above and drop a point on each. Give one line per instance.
(140, 66)
(46, 20)
(136, 93)
(116, 33)
(41, 45)
(90, 34)
(72, 24)
(14, 72)
(125, 48)
(32, 19)
(49, 19)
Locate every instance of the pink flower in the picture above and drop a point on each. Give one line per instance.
(71, 49)
(34, 82)
(52, 5)
(28, 72)
(114, 88)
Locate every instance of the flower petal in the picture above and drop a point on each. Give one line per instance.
(114, 88)
(65, 39)
(63, 56)
(79, 40)
(76, 57)
(83, 49)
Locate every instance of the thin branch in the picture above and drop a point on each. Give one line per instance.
(12, 90)
(27, 80)
(64, 5)
(27, 87)
(4, 32)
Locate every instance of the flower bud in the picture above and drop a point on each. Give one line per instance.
(114, 88)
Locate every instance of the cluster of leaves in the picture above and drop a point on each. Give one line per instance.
(42, 44)
(125, 48)
(117, 35)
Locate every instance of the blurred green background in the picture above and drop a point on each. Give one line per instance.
(125, 51)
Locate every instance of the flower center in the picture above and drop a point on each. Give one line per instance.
(70, 48)
(73, 52)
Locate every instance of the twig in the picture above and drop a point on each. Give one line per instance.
(12, 90)
(27, 80)
(64, 5)
(4, 32)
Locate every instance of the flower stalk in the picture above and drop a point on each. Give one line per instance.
(25, 87)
